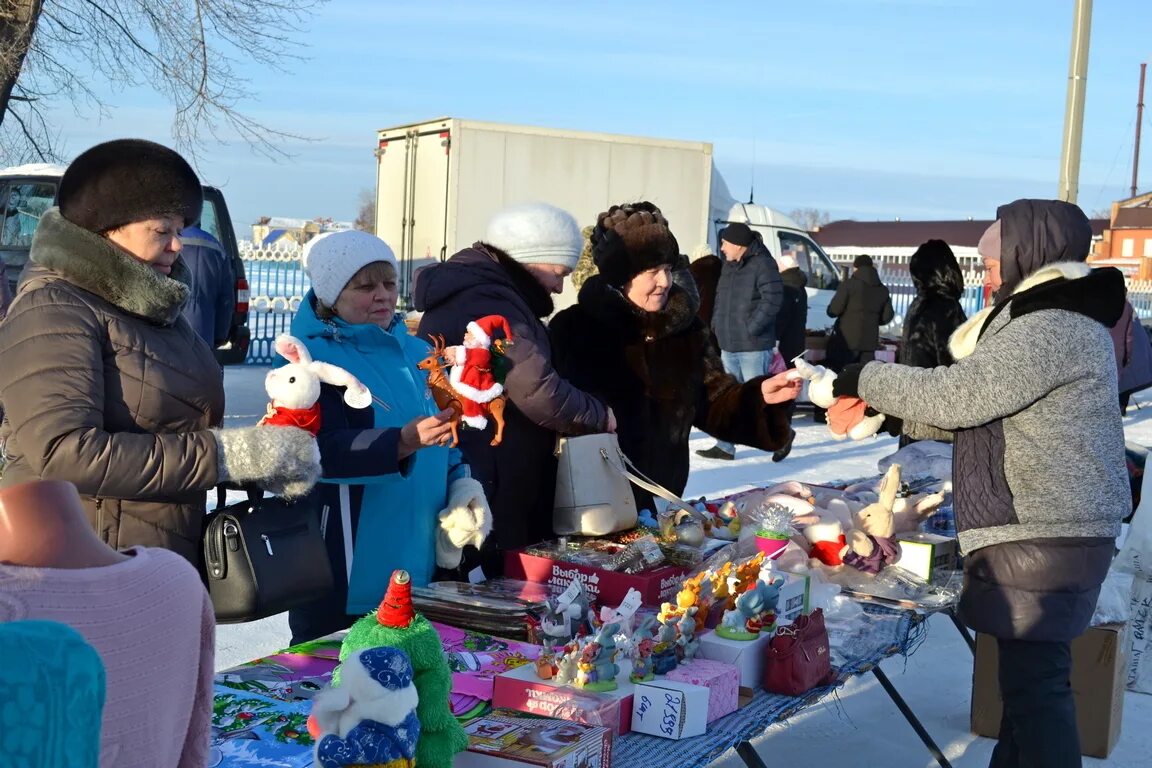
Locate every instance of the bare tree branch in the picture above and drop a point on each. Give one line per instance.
(189, 51)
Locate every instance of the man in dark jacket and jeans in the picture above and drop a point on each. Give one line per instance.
(744, 319)
(1039, 470)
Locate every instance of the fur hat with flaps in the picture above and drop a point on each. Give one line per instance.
(630, 239)
(128, 180)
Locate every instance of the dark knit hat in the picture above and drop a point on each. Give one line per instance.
(738, 234)
(630, 239)
(863, 260)
(128, 180)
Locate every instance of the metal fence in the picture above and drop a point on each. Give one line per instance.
(277, 284)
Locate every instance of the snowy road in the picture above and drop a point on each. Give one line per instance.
(936, 680)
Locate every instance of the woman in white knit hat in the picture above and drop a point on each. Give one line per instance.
(523, 260)
(388, 474)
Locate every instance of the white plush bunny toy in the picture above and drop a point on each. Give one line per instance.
(295, 389)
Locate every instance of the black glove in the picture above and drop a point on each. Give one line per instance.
(847, 383)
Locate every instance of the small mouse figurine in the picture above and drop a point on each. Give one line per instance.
(294, 389)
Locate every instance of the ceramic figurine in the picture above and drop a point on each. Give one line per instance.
(686, 643)
(477, 373)
(664, 658)
(597, 668)
(755, 611)
(566, 664)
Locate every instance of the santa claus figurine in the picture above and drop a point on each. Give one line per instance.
(472, 374)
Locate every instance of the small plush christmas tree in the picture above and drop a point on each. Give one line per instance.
(396, 624)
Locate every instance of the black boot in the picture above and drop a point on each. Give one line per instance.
(782, 453)
(716, 452)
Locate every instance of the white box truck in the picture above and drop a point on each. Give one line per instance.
(438, 183)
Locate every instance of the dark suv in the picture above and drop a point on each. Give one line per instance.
(26, 191)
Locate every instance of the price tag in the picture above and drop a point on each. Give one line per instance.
(571, 593)
(629, 605)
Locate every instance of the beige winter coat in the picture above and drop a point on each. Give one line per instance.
(105, 385)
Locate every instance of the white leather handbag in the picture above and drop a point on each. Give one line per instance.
(593, 495)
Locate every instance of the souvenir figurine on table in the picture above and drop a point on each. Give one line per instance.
(597, 668)
(566, 665)
(643, 641)
(478, 369)
(726, 522)
(397, 625)
(686, 643)
(294, 389)
(565, 617)
(370, 718)
(664, 658)
(755, 611)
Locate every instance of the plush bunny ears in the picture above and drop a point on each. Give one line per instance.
(356, 394)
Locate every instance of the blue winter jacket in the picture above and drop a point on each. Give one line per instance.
(395, 512)
(212, 298)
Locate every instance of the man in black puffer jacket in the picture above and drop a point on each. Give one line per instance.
(748, 297)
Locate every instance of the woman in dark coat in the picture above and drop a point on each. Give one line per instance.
(934, 314)
(635, 341)
(527, 253)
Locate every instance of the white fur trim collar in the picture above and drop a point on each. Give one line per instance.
(963, 340)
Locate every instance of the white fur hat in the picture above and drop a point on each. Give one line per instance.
(537, 233)
(331, 260)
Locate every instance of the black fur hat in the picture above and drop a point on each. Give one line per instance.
(127, 180)
(629, 239)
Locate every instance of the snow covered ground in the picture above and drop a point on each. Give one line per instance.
(936, 680)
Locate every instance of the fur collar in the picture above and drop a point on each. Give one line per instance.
(94, 264)
(612, 308)
(1047, 288)
(535, 295)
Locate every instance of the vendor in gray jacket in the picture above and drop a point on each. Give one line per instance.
(1039, 471)
(748, 297)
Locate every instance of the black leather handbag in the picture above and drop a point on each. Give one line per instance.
(264, 556)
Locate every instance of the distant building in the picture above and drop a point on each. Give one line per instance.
(272, 229)
(892, 243)
(1127, 242)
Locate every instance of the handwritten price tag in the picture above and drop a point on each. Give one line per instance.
(630, 604)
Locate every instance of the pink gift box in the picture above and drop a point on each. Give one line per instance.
(722, 681)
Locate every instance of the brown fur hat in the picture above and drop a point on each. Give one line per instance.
(632, 238)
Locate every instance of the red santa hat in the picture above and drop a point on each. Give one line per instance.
(396, 608)
(483, 329)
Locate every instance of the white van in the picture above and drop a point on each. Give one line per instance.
(782, 235)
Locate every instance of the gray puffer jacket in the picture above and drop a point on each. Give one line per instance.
(748, 297)
(1039, 470)
(106, 385)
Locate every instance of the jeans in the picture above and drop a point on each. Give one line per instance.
(1038, 728)
(744, 366)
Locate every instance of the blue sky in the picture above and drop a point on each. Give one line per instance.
(868, 109)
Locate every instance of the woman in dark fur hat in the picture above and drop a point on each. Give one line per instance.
(935, 312)
(634, 340)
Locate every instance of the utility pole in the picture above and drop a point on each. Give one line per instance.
(1074, 104)
(1139, 119)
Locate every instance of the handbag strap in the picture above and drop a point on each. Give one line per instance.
(641, 480)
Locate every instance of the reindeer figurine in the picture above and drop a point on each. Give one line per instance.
(446, 396)
(442, 391)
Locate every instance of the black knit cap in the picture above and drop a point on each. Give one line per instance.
(630, 239)
(127, 180)
(737, 234)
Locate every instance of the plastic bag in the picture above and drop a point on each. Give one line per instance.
(1135, 559)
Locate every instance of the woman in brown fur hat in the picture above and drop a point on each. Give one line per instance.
(634, 341)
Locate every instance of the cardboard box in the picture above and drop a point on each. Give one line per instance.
(1098, 678)
(924, 554)
(722, 681)
(521, 690)
(748, 656)
(670, 709)
(606, 587)
(512, 742)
